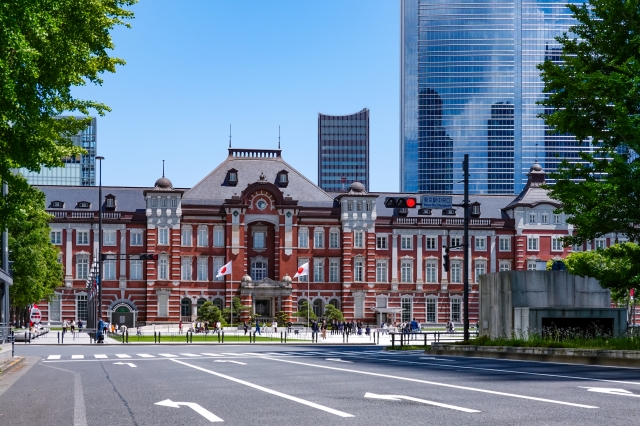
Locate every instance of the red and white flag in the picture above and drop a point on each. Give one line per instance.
(225, 270)
(302, 270)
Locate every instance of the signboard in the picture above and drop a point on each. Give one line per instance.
(437, 201)
(36, 316)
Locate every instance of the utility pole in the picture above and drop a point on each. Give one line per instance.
(465, 266)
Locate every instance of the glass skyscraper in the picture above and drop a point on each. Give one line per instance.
(79, 170)
(343, 150)
(469, 85)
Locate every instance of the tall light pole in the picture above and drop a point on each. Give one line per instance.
(99, 158)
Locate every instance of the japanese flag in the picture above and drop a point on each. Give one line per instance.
(225, 270)
(302, 270)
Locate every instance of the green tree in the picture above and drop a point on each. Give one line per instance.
(282, 318)
(237, 308)
(47, 48)
(332, 313)
(594, 94)
(305, 311)
(210, 313)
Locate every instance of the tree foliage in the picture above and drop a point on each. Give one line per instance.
(209, 313)
(305, 311)
(594, 94)
(46, 48)
(237, 308)
(282, 318)
(333, 314)
(36, 271)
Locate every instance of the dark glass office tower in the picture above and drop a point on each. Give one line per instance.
(469, 85)
(343, 150)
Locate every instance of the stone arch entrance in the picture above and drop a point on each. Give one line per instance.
(123, 312)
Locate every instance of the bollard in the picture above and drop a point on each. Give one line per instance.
(285, 337)
(127, 336)
(158, 337)
(187, 335)
(378, 337)
(13, 341)
(58, 337)
(154, 337)
(342, 337)
(425, 340)
(393, 340)
(249, 337)
(223, 337)
(62, 339)
(123, 338)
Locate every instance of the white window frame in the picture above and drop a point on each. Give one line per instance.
(481, 243)
(433, 301)
(406, 316)
(455, 271)
(533, 218)
(163, 268)
(431, 243)
(56, 237)
(504, 266)
(532, 265)
(358, 269)
(533, 243)
(135, 238)
(259, 239)
(406, 242)
(406, 270)
(302, 261)
(456, 301)
(556, 243)
(358, 239)
(480, 269)
(600, 243)
(163, 236)
(382, 302)
(318, 270)
(334, 270)
(82, 237)
(203, 268)
(135, 269)
(82, 267)
(382, 270)
(557, 218)
(186, 236)
(334, 239)
(382, 242)
(109, 269)
(577, 248)
(431, 270)
(218, 262)
(303, 237)
(544, 218)
(218, 236)
(203, 236)
(186, 269)
(109, 237)
(456, 241)
(318, 238)
(504, 243)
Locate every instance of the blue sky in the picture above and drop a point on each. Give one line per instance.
(196, 66)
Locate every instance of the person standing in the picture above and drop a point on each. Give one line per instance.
(100, 331)
(324, 330)
(73, 325)
(275, 326)
(180, 327)
(258, 327)
(245, 327)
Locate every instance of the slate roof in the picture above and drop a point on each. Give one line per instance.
(250, 163)
(128, 199)
(533, 194)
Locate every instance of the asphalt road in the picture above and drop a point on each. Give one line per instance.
(305, 385)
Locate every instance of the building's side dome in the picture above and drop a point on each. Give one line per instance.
(163, 183)
(287, 279)
(246, 278)
(357, 187)
(536, 168)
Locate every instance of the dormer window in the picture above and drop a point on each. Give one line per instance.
(232, 177)
(283, 178)
(57, 204)
(475, 209)
(449, 212)
(84, 205)
(110, 202)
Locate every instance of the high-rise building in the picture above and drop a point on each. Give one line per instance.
(343, 150)
(469, 85)
(79, 170)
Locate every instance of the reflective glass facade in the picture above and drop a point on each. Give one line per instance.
(470, 85)
(79, 171)
(343, 150)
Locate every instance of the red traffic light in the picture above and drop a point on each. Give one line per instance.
(400, 202)
(411, 203)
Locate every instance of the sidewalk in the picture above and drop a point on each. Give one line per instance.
(56, 338)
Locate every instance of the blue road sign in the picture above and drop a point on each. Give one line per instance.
(437, 202)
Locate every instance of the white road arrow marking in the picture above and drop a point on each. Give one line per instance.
(235, 362)
(125, 363)
(195, 407)
(338, 360)
(612, 391)
(424, 401)
(437, 359)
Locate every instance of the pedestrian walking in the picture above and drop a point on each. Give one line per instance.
(275, 326)
(258, 327)
(245, 327)
(64, 326)
(73, 325)
(180, 327)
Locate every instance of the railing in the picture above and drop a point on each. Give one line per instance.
(406, 220)
(424, 338)
(437, 221)
(58, 214)
(111, 215)
(82, 215)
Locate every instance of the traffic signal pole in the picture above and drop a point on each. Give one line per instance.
(465, 268)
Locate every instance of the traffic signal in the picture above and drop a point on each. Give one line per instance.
(401, 202)
(149, 256)
(445, 260)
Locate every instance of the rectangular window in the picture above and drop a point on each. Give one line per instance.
(318, 270)
(505, 266)
(577, 247)
(358, 308)
(185, 270)
(318, 238)
(381, 302)
(431, 243)
(334, 270)
(456, 269)
(368, 207)
(505, 244)
(203, 274)
(358, 269)
(432, 271)
(109, 238)
(82, 238)
(456, 309)
(185, 238)
(259, 240)
(56, 237)
(407, 305)
(303, 238)
(481, 269)
(163, 305)
(350, 206)
(544, 218)
(82, 267)
(334, 239)
(109, 269)
(381, 242)
(163, 236)
(359, 206)
(406, 242)
(432, 304)
(533, 243)
(163, 202)
(556, 219)
(135, 269)
(218, 262)
(481, 243)
(600, 243)
(203, 237)
(218, 237)
(81, 307)
(456, 243)
(163, 268)
(406, 269)
(556, 243)
(55, 308)
(532, 218)
(358, 239)
(532, 265)
(381, 271)
(303, 278)
(154, 202)
(173, 202)
(136, 238)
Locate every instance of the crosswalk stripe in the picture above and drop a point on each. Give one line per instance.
(100, 356)
(77, 356)
(169, 355)
(145, 356)
(191, 355)
(53, 357)
(209, 354)
(123, 356)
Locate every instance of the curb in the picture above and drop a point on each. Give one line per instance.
(109, 345)
(9, 366)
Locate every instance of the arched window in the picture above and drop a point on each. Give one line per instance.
(301, 301)
(335, 302)
(185, 307)
(318, 307)
(218, 303)
(201, 302)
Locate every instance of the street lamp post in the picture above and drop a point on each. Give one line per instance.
(99, 313)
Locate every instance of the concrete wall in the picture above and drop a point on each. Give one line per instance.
(530, 319)
(500, 292)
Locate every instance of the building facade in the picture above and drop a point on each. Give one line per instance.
(469, 85)
(343, 151)
(266, 218)
(79, 170)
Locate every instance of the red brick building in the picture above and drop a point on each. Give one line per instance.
(266, 218)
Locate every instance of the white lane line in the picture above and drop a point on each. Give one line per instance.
(123, 356)
(230, 353)
(271, 391)
(53, 357)
(77, 356)
(526, 373)
(169, 355)
(209, 354)
(408, 379)
(191, 355)
(234, 362)
(621, 392)
(437, 359)
(145, 356)
(423, 401)
(338, 360)
(100, 356)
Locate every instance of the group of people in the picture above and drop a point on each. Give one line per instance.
(71, 325)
